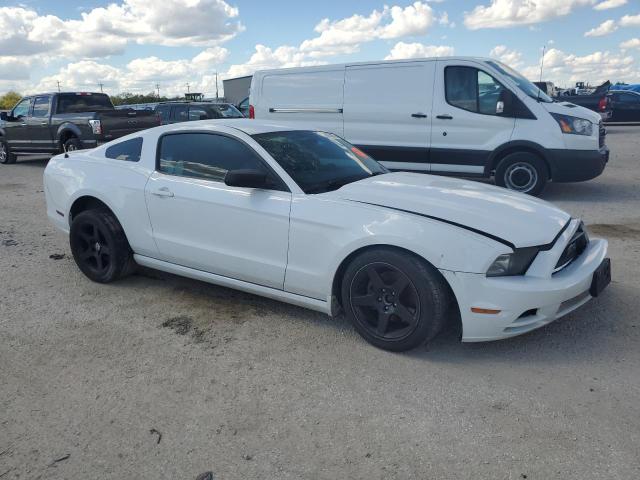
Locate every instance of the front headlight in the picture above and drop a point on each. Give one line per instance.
(573, 125)
(516, 263)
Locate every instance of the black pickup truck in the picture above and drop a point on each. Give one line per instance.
(57, 122)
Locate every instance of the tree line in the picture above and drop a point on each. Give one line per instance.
(9, 99)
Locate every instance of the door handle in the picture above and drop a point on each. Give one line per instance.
(44, 123)
(419, 115)
(23, 124)
(445, 117)
(162, 192)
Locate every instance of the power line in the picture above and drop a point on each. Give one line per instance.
(58, 82)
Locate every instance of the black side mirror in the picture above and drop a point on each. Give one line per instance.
(246, 178)
(4, 116)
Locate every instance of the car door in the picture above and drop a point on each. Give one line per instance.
(16, 126)
(387, 112)
(467, 126)
(200, 222)
(628, 106)
(38, 128)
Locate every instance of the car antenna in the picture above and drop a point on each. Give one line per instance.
(544, 47)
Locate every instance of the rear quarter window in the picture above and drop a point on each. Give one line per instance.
(129, 150)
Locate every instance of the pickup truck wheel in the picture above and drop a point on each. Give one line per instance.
(6, 157)
(99, 246)
(395, 301)
(522, 172)
(71, 145)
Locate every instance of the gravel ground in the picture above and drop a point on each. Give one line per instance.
(162, 377)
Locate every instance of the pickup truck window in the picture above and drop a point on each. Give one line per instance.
(41, 107)
(75, 103)
(163, 111)
(129, 150)
(22, 108)
(179, 113)
(196, 113)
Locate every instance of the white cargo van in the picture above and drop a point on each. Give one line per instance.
(464, 116)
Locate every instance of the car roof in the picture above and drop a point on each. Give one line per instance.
(245, 125)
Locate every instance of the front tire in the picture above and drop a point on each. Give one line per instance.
(522, 172)
(99, 246)
(6, 157)
(395, 300)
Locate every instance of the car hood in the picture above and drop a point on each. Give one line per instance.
(568, 108)
(512, 217)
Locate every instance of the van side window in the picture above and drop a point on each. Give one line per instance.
(129, 150)
(472, 90)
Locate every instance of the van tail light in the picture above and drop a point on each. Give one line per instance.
(252, 112)
(602, 104)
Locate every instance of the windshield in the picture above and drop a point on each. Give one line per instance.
(525, 85)
(83, 102)
(227, 111)
(318, 162)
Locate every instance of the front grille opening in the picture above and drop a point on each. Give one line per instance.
(529, 313)
(574, 249)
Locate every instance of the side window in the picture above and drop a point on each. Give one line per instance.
(179, 113)
(129, 150)
(197, 113)
(206, 156)
(472, 90)
(163, 111)
(629, 98)
(41, 107)
(461, 87)
(22, 108)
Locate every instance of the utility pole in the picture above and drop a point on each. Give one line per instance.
(188, 87)
(58, 81)
(216, 86)
(101, 85)
(158, 89)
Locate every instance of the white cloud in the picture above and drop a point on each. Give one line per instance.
(265, 58)
(605, 28)
(508, 13)
(403, 50)
(566, 68)
(632, 43)
(630, 21)
(607, 4)
(108, 30)
(350, 32)
(513, 58)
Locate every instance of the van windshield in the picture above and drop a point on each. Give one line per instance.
(317, 161)
(523, 84)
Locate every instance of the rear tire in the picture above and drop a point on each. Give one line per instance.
(72, 144)
(395, 300)
(522, 172)
(100, 247)
(6, 157)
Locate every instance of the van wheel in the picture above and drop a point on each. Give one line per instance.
(394, 300)
(6, 157)
(522, 172)
(71, 145)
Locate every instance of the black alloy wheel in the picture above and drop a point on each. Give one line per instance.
(385, 301)
(395, 300)
(99, 246)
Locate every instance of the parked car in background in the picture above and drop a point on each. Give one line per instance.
(406, 254)
(243, 106)
(175, 112)
(456, 115)
(547, 87)
(54, 122)
(625, 106)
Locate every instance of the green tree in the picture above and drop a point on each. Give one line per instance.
(127, 98)
(9, 99)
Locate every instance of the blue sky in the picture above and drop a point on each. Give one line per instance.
(133, 45)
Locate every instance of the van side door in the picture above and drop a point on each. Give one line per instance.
(387, 112)
(467, 125)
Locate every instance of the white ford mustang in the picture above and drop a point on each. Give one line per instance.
(304, 217)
